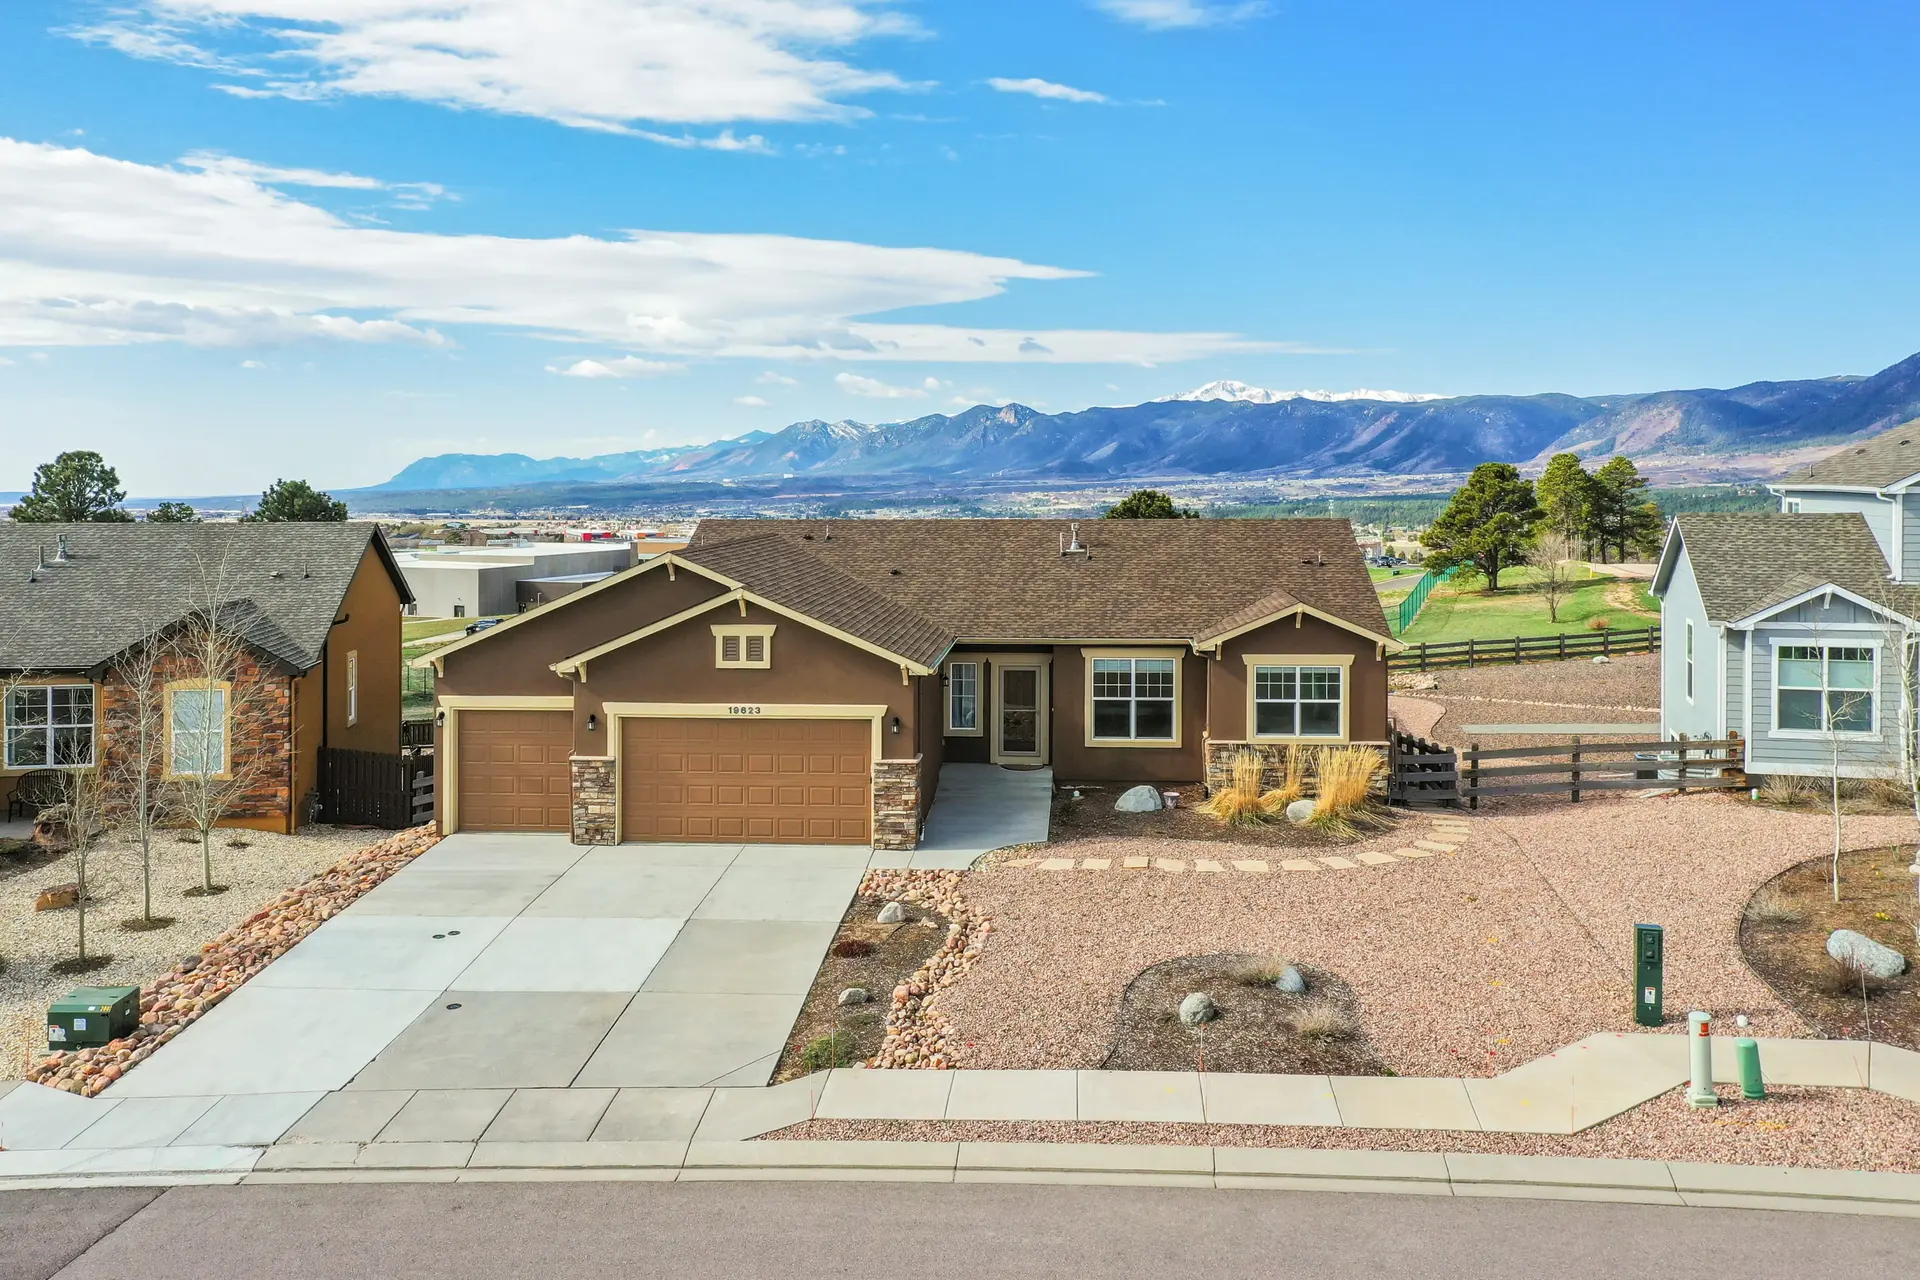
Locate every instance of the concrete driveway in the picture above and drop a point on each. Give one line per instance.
(523, 961)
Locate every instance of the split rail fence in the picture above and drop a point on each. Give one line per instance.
(1568, 644)
(1420, 772)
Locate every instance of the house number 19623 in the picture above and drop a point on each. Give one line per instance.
(743, 711)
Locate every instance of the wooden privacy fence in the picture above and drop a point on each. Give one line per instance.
(416, 733)
(1568, 644)
(374, 789)
(1421, 772)
(1681, 764)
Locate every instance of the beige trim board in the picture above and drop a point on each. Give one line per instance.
(669, 561)
(448, 751)
(1295, 611)
(577, 664)
(617, 711)
(1087, 657)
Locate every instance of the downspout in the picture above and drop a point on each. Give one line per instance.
(293, 754)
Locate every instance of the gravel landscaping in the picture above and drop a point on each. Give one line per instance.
(32, 941)
(1093, 817)
(1809, 1128)
(1623, 690)
(1468, 963)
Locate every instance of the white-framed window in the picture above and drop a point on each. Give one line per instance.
(1825, 688)
(197, 737)
(353, 686)
(1791, 506)
(1689, 655)
(743, 646)
(1298, 702)
(963, 697)
(50, 726)
(1133, 700)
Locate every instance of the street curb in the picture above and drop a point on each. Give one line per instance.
(1652, 1182)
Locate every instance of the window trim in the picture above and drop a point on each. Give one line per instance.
(742, 631)
(226, 731)
(353, 687)
(948, 728)
(1341, 660)
(1689, 660)
(93, 737)
(1824, 644)
(1087, 657)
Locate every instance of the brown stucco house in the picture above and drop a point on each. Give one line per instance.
(317, 605)
(805, 681)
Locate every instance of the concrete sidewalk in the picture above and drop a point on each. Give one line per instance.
(977, 809)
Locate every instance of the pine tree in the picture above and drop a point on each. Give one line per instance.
(1487, 524)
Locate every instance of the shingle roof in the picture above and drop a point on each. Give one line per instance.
(1747, 561)
(282, 584)
(771, 566)
(1006, 580)
(1885, 459)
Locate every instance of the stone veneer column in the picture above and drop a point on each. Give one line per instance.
(896, 803)
(593, 803)
(1220, 754)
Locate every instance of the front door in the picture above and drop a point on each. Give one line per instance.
(1019, 728)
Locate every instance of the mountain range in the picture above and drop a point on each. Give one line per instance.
(1231, 429)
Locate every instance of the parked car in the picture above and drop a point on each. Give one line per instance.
(482, 625)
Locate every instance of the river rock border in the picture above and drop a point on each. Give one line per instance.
(916, 1036)
(201, 981)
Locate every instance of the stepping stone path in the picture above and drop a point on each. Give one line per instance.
(1447, 836)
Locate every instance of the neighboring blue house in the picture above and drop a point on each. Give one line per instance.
(1798, 629)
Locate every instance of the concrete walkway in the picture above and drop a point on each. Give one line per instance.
(977, 809)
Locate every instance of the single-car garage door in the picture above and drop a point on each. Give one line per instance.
(782, 781)
(513, 769)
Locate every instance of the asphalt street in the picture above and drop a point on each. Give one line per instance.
(696, 1231)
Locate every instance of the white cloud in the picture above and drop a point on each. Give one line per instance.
(1165, 15)
(772, 379)
(855, 384)
(1046, 89)
(4, 362)
(624, 367)
(597, 64)
(97, 251)
(253, 364)
(753, 402)
(407, 195)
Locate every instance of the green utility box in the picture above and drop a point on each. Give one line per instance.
(88, 1016)
(1649, 974)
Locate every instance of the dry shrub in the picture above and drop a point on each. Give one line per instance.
(1772, 906)
(1599, 623)
(1260, 973)
(1344, 786)
(1325, 1022)
(851, 948)
(1789, 790)
(1239, 802)
(1293, 783)
(1839, 978)
(1887, 793)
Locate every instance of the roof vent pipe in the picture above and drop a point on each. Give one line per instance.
(1073, 545)
(60, 550)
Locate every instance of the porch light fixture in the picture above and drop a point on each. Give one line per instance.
(593, 722)
(440, 718)
(896, 724)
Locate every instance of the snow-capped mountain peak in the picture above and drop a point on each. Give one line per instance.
(1227, 389)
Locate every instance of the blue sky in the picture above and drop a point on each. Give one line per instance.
(238, 241)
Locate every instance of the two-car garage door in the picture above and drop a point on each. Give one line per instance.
(771, 780)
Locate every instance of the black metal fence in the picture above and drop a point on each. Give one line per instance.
(375, 789)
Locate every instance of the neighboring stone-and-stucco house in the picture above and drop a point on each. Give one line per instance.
(1796, 629)
(318, 606)
(804, 681)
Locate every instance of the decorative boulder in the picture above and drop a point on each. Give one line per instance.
(60, 895)
(892, 913)
(1198, 1008)
(1299, 811)
(1863, 953)
(856, 995)
(1602, 661)
(1138, 800)
(1291, 981)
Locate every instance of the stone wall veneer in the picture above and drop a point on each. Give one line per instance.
(1220, 756)
(594, 813)
(896, 804)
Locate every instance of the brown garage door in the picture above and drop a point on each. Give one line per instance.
(784, 781)
(513, 769)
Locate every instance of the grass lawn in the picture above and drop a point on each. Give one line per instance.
(412, 629)
(1465, 610)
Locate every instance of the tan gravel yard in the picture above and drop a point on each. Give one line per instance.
(1810, 1128)
(1624, 690)
(1468, 963)
(31, 941)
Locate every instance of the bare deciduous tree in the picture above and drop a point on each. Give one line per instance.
(82, 808)
(136, 740)
(1554, 556)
